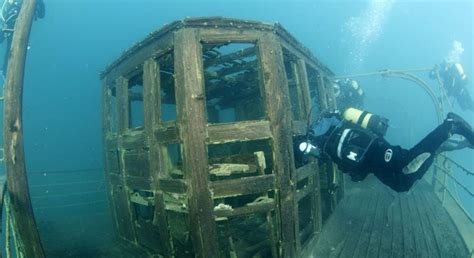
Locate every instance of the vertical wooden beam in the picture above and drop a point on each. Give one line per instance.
(106, 110)
(192, 123)
(121, 193)
(299, 91)
(29, 239)
(303, 77)
(331, 99)
(123, 108)
(316, 199)
(151, 95)
(278, 103)
(152, 109)
(321, 91)
(106, 132)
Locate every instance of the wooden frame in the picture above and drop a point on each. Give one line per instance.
(142, 159)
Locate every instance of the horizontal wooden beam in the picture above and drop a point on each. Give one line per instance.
(172, 185)
(226, 35)
(306, 171)
(249, 209)
(167, 135)
(134, 139)
(138, 183)
(232, 132)
(242, 186)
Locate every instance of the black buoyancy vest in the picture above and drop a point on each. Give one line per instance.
(347, 144)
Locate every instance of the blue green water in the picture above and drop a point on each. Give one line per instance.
(78, 38)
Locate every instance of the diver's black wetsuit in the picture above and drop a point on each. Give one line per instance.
(391, 172)
(393, 165)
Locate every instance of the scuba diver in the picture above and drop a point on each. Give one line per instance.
(348, 93)
(355, 141)
(9, 14)
(454, 81)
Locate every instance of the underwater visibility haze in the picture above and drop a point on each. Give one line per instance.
(77, 39)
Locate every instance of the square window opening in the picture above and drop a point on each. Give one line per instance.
(167, 87)
(233, 88)
(112, 94)
(314, 81)
(240, 159)
(173, 161)
(294, 85)
(135, 101)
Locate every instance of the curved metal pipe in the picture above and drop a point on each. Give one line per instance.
(404, 74)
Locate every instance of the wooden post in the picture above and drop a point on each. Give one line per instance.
(29, 240)
(277, 102)
(192, 121)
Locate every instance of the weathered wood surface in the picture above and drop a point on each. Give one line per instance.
(222, 133)
(306, 171)
(3, 189)
(373, 221)
(28, 238)
(134, 139)
(192, 122)
(242, 186)
(264, 206)
(122, 211)
(167, 135)
(276, 89)
(139, 53)
(136, 146)
(136, 163)
(172, 185)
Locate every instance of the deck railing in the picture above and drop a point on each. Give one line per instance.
(446, 183)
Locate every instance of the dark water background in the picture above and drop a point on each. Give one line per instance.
(78, 38)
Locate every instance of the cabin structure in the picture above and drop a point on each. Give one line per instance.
(200, 120)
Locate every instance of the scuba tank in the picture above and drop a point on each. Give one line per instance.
(366, 120)
(460, 71)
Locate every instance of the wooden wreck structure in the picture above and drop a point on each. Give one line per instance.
(200, 121)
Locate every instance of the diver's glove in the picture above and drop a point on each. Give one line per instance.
(308, 148)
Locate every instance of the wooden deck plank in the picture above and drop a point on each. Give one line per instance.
(376, 234)
(434, 225)
(331, 246)
(415, 221)
(358, 222)
(385, 248)
(397, 233)
(448, 237)
(364, 237)
(408, 234)
(410, 224)
(432, 245)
